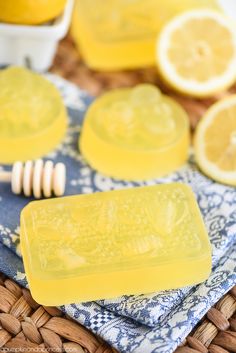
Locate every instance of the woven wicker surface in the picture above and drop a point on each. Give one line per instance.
(26, 325)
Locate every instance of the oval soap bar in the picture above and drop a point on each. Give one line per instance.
(135, 134)
(32, 115)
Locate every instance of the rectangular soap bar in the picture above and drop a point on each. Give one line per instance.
(102, 245)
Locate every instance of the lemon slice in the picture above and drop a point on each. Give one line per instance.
(33, 117)
(215, 141)
(196, 52)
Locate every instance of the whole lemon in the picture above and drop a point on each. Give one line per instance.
(30, 12)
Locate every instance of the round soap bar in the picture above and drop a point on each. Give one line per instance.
(32, 115)
(135, 134)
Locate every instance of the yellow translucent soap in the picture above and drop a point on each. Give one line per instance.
(121, 34)
(32, 115)
(103, 245)
(135, 134)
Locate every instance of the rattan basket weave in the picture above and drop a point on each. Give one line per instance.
(28, 327)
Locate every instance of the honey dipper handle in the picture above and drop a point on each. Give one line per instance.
(5, 177)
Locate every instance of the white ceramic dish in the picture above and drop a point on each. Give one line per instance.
(33, 45)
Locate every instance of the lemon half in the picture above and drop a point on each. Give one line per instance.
(196, 52)
(215, 141)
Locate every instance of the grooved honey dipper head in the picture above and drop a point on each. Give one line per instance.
(39, 178)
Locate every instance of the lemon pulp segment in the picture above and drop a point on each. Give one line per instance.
(135, 134)
(32, 115)
(102, 245)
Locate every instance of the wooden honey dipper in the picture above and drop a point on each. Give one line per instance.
(38, 178)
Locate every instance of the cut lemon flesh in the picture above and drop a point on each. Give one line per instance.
(215, 142)
(196, 52)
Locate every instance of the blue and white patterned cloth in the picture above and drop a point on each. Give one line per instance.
(145, 323)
